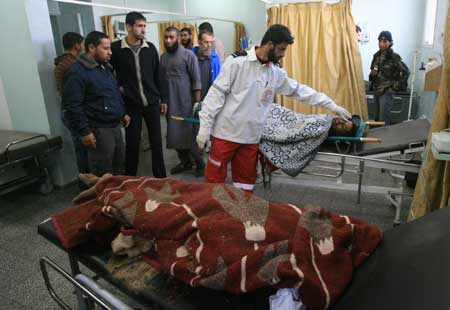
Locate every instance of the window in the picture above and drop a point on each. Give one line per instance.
(430, 22)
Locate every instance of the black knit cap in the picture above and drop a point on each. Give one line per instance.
(385, 35)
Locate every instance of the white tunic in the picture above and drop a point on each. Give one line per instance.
(236, 105)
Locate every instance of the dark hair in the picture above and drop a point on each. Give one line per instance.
(186, 29)
(94, 38)
(356, 123)
(358, 29)
(132, 17)
(202, 33)
(206, 27)
(172, 28)
(277, 34)
(69, 40)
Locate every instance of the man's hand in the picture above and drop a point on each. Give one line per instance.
(89, 141)
(342, 113)
(374, 71)
(196, 108)
(163, 108)
(202, 140)
(126, 120)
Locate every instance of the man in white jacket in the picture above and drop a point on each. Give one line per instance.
(234, 110)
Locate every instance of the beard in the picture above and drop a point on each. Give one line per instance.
(173, 48)
(101, 60)
(140, 36)
(186, 42)
(272, 57)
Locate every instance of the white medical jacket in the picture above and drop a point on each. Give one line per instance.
(236, 105)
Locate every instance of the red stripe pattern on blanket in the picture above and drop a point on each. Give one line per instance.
(220, 237)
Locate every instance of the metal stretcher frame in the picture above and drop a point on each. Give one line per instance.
(393, 162)
(408, 270)
(96, 259)
(393, 194)
(84, 285)
(87, 291)
(15, 153)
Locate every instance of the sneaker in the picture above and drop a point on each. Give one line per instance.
(199, 172)
(180, 168)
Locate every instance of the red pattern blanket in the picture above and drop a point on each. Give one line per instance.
(217, 236)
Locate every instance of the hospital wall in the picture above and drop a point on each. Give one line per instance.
(22, 93)
(428, 99)
(138, 4)
(5, 116)
(250, 12)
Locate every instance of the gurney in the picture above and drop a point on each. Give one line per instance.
(395, 150)
(215, 236)
(408, 270)
(23, 159)
(397, 155)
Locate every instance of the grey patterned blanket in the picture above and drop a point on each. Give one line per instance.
(291, 140)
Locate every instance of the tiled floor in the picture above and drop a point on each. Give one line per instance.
(21, 284)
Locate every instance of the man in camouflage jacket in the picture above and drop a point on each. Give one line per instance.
(388, 74)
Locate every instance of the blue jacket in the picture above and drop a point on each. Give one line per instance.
(91, 97)
(214, 63)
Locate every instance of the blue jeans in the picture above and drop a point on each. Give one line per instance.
(384, 105)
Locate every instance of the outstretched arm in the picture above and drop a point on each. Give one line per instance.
(290, 87)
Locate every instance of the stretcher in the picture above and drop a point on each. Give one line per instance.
(408, 270)
(23, 159)
(398, 155)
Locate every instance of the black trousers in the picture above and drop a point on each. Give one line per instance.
(187, 156)
(151, 116)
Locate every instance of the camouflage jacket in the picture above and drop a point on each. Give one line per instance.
(392, 73)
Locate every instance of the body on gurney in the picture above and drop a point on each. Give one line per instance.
(218, 237)
(403, 273)
(340, 130)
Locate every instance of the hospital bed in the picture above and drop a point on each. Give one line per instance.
(408, 270)
(398, 155)
(23, 157)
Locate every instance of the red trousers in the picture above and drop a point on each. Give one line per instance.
(243, 159)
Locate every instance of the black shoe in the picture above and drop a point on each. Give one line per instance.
(199, 172)
(180, 168)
